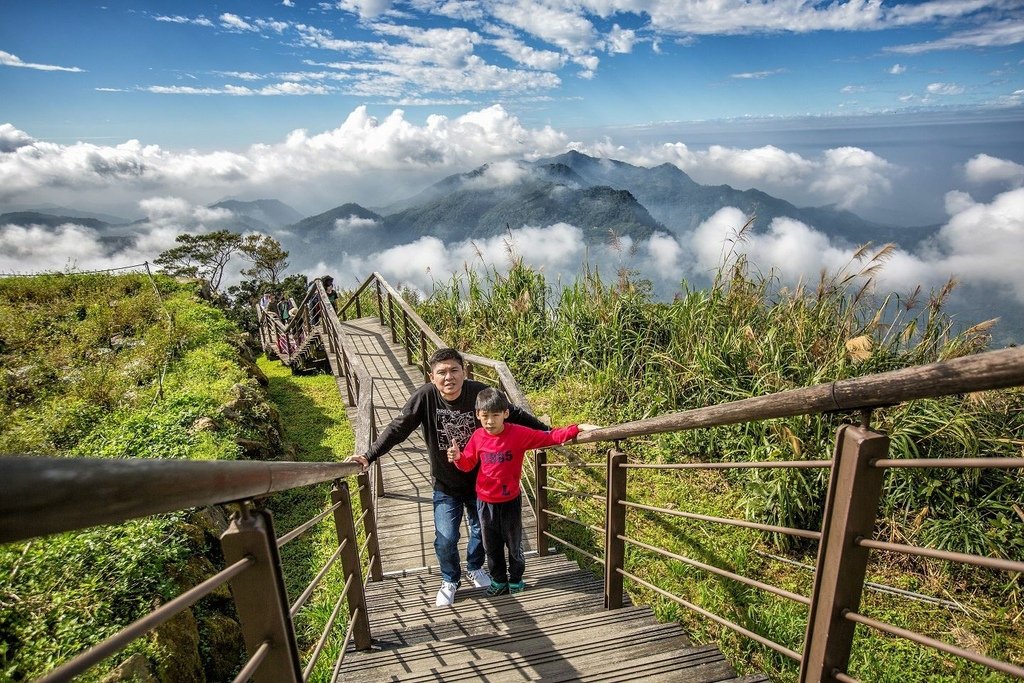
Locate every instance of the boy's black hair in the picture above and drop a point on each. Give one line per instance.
(442, 355)
(491, 401)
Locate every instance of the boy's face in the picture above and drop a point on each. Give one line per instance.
(493, 422)
(448, 377)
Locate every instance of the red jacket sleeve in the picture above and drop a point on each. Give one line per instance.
(555, 437)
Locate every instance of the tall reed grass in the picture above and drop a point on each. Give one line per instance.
(607, 351)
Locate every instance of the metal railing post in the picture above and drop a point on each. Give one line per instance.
(391, 319)
(850, 511)
(356, 597)
(370, 525)
(540, 479)
(405, 337)
(615, 526)
(260, 597)
(423, 356)
(380, 302)
(359, 306)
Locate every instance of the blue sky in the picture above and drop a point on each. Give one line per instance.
(230, 74)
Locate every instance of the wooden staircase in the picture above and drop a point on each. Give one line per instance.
(556, 630)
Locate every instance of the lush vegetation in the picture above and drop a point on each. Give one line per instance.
(314, 421)
(606, 352)
(119, 367)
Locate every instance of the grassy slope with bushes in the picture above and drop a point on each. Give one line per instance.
(605, 352)
(81, 362)
(314, 421)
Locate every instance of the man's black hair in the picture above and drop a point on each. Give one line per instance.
(442, 355)
(491, 401)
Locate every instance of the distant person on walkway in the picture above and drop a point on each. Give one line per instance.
(446, 410)
(498, 449)
(332, 297)
(285, 305)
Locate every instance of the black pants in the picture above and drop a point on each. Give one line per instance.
(501, 525)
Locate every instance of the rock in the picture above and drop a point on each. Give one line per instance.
(135, 669)
(204, 424)
(211, 520)
(254, 450)
(223, 647)
(253, 371)
(178, 641)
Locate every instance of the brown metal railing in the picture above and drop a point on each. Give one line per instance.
(850, 511)
(41, 496)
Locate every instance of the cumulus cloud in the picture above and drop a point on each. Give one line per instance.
(353, 224)
(7, 59)
(360, 146)
(846, 176)
(32, 248)
(897, 69)
(498, 174)
(980, 244)
(982, 168)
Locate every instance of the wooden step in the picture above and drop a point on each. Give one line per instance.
(531, 652)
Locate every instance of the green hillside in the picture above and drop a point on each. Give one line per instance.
(122, 367)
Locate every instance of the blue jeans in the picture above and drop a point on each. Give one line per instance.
(447, 526)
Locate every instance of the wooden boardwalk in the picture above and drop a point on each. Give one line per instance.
(405, 513)
(556, 630)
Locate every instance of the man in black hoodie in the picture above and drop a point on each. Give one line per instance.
(446, 410)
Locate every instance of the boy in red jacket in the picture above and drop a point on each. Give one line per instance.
(500, 448)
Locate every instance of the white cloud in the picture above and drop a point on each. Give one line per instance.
(367, 9)
(562, 25)
(353, 224)
(944, 89)
(982, 168)
(355, 150)
(897, 69)
(845, 176)
(235, 22)
(288, 3)
(710, 17)
(179, 19)
(498, 174)
(620, 40)
(756, 75)
(852, 89)
(980, 244)
(996, 34)
(7, 59)
(852, 174)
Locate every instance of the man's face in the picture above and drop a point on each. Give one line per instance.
(448, 377)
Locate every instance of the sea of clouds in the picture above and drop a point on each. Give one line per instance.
(376, 161)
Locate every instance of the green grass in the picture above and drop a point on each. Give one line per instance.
(315, 424)
(101, 367)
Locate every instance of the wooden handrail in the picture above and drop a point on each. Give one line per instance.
(980, 372)
(40, 496)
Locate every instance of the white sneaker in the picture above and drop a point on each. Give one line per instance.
(479, 578)
(446, 596)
